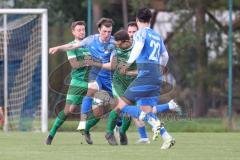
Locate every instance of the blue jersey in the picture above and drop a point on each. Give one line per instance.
(149, 58)
(153, 46)
(145, 88)
(100, 52)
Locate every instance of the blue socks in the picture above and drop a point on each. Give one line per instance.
(164, 133)
(142, 132)
(86, 104)
(162, 107)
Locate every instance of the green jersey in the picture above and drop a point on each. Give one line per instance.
(79, 77)
(122, 81)
(82, 72)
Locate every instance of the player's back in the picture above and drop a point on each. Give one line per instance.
(149, 59)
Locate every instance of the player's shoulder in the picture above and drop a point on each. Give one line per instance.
(142, 31)
(72, 42)
(90, 38)
(140, 35)
(71, 51)
(154, 35)
(112, 40)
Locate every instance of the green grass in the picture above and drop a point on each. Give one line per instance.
(66, 145)
(182, 125)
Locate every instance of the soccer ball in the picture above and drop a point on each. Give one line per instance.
(102, 104)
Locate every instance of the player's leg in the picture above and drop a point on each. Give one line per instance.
(171, 105)
(61, 117)
(168, 140)
(76, 91)
(87, 105)
(92, 121)
(142, 132)
(102, 83)
(157, 126)
(111, 122)
(126, 122)
(106, 84)
(144, 112)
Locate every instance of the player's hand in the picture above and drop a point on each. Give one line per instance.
(122, 67)
(88, 61)
(114, 64)
(53, 50)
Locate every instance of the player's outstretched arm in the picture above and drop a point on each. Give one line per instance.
(62, 48)
(109, 66)
(75, 63)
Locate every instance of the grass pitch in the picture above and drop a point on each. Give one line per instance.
(67, 145)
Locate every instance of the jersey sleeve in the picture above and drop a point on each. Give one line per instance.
(113, 47)
(163, 54)
(139, 39)
(86, 42)
(140, 36)
(71, 54)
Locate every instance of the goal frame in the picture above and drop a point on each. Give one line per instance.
(44, 62)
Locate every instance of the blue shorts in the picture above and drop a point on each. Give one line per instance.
(105, 83)
(103, 79)
(141, 92)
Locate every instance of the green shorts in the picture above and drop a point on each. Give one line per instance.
(76, 91)
(119, 87)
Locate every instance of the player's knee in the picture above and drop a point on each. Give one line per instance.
(71, 109)
(68, 109)
(139, 123)
(92, 89)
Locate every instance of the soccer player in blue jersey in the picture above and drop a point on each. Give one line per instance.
(149, 52)
(101, 46)
(131, 30)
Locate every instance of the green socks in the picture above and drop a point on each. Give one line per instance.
(58, 122)
(92, 121)
(126, 122)
(111, 122)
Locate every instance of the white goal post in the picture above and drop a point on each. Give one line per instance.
(43, 37)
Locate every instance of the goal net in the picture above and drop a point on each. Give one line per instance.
(23, 69)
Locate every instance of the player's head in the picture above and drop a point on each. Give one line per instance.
(132, 28)
(78, 29)
(105, 28)
(122, 39)
(144, 15)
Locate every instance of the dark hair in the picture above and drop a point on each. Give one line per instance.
(132, 23)
(74, 24)
(144, 15)
(121, 35)
(107, 22)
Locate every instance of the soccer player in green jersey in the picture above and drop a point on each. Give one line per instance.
(79, 79)
(120, 83)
